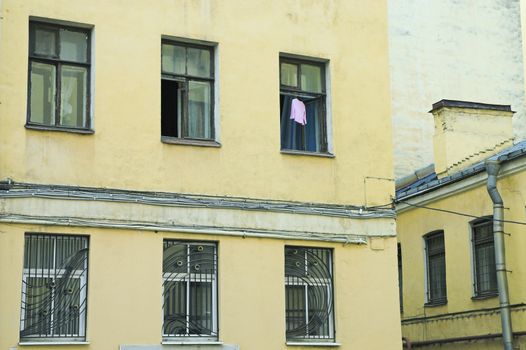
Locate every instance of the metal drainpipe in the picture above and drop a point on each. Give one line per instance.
(493, 168)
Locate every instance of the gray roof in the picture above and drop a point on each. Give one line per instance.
(431, 182)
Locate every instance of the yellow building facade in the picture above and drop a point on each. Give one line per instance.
(449, 290)
(190, 174)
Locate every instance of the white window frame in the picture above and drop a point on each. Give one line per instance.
(188, 279)
(56, 274)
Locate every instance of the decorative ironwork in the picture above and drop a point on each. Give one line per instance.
(190, 289)
(54, 287)
(309, 293)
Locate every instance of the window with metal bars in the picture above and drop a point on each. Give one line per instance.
(59, 76)
(54, 288)
(187, 91)
(436, 268)
(309, 294)
(485, 275)
(190, 290)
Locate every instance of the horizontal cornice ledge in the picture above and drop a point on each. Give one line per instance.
(21, 190)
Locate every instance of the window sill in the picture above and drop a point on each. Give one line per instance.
(292, 343)
(436, 303)
(60, 129)
(485, 296)
(306, 153)
(47, 343)
(175, 342)
(189, 142)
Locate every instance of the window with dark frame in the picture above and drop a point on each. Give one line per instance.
(59, 76)
(309, 294)
(436, 268)
(54, 288)
(484, 268)
(187, 91)
(303, 112)
(400, 277)
(190, 291)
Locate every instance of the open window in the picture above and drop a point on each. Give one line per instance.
(187, 91)
(303, 112)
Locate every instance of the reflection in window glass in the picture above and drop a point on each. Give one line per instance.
(289, 74)
(73, 96)
(310, 78)
(43, 85)
(198, 62)
(73, 46)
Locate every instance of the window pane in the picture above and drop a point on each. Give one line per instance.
(289, 74)
(36, 303)
(198, 62)
(43, 92)
(295, 311)
(173, 59)
(200, 308)
(318, 316)
(73, 46)
(311, 78)
(174, 308)
(67, 308)
(73, 96)
(45, 41)
(199, 114)
(39, 252)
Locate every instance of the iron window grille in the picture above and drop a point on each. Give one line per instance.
(187, 91)
(303, 80)
(309, 294)
(59, 76)
(190, 290)
(436, 268)
(484, 268)
(54, 288)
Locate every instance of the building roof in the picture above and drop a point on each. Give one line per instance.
(426, 180)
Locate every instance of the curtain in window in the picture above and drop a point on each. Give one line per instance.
(295, 136)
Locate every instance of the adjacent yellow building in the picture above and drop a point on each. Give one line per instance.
(190, 174)
(447, 237)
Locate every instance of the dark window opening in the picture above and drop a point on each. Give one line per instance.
(485, 274)
(436, 268)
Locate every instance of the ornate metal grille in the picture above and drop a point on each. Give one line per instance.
(309, 293)
(436, 268)
(484, 257)
(190, 290)
(54, 287)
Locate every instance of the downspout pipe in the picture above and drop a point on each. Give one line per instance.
(493, 168)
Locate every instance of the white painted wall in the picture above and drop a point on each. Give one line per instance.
(450, 49)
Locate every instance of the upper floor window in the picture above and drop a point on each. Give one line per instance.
(59, 76)
(54, 288)
(187, 91)
(309, 294)
(190, 290)
(303, 116)
(485, 275)
(436, 268)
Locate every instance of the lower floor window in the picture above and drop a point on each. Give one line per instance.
(309, 294)
(190, 290)
(54, 288)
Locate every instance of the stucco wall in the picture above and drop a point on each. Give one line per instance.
(413, 224)
(461, 50)
(126, 152)
(125, 289)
